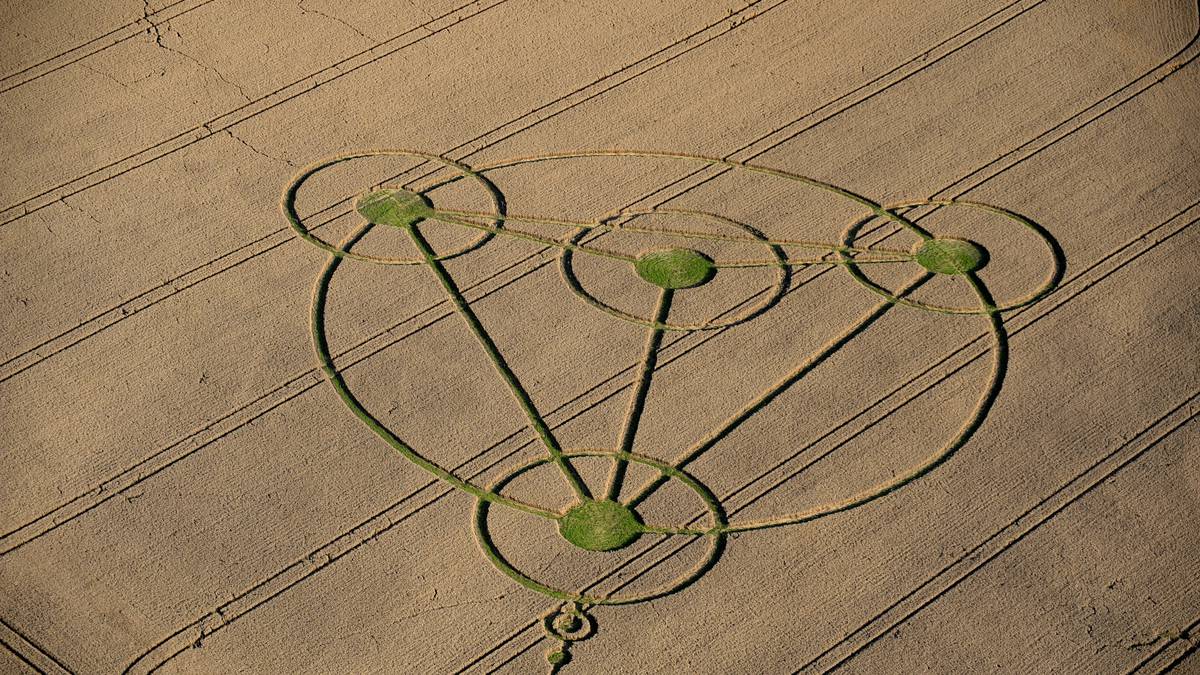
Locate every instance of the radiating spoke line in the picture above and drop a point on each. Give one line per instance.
(510, 378)
(321, 345)
(637, 401)
(768, 396)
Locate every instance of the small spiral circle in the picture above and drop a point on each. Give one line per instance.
(569, 623)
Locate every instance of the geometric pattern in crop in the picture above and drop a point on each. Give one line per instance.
(604, 516)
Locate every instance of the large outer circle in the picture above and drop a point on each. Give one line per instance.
(1050, 283)
(289, 204)
(778, 289)
(716, 545)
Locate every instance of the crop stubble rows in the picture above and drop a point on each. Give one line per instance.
(376, 533)
(967, 177)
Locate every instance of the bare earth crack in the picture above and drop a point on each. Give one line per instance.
(156, 32)
(305, 10)
(107, 76)
(260, 152)
(153, 30)
(453, 605)
(90, 216)
(422, 10)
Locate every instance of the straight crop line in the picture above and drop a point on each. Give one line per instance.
(205, 436)
(1035, 146)
(21, 657)
(1030, 148)
(244, 112)
(276, 239)
(96, 45)
(238, 418)
(1189, 653)
(393, 516)
(1116, 260)
(33, 654)
(1158, 74)
(243, 415)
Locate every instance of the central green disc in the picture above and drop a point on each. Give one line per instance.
(675, 268)
(600, 525)
(395, 207)
(950, 256)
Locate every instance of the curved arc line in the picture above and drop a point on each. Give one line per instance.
(767, 397)
(1196, 37)
(991, 391)
(780, 288)
(441, 216)
(450, 215)
(875, 207)
(716, 548)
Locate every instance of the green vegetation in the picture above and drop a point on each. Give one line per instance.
(950, 256)
(600, 525)
(395, 207)
(675, 268)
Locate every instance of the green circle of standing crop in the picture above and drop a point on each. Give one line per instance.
(675, 268)
(600, 525)
(949, 256)
(393, 206)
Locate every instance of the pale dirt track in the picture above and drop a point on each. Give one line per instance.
(181, 490)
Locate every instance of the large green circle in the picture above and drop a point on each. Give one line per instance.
(949, 255)
(396, 207)
(600, 525)
(675, 268)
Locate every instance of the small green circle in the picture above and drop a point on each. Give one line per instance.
(675, 268)
(600, 525)
(950, 256)
(395, 207)
(557, 657)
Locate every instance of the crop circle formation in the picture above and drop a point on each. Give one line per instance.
(605, 519)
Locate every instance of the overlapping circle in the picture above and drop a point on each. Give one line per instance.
(462, 171)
